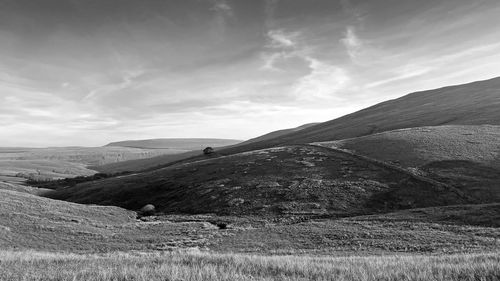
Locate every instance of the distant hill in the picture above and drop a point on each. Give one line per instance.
(303, 180)
(476, 103)
(145, 164)
(159, 161)
(185, 148)
(19, 164)
(184, 144)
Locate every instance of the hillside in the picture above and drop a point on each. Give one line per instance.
(415, 147)
(475, 103)
(22, 188)
(183, 144)
(278, 133)
(481, 214)
(468, 104)
(32, 222)
(307, 180)
(467, 157)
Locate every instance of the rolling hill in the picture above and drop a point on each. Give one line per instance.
(467, 157)
(476, 103)
(308, 180)
(455, 164)
(185, 144)
(415, 147)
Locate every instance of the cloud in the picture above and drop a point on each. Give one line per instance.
(281, 39)
(281, 45)
(352, 42)
(323, 82)
(222, 8)
(406, 72)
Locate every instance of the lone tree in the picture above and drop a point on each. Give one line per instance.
(208, 150)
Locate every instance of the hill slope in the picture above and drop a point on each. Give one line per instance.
(415, 147)
(475, 103)
(467, 157)
(278, 133)
(32, 222)
(179, 144)
(287, 180)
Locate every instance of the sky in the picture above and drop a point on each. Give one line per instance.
(88, 72)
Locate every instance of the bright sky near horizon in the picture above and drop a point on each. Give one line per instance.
(88, 72)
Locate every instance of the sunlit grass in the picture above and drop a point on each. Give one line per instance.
(210, 266)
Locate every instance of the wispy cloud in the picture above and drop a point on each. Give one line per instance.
(405, 72)
(323, 82)
(281, 45)
(352, 42)
(281, 39)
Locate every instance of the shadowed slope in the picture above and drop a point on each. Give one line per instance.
(288, 180)
(481, 214)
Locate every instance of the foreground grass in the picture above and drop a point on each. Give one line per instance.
(208, 266)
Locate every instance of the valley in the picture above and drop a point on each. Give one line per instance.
(321, 191)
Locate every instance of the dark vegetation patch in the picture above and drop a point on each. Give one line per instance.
(481, 182)
(69, 182)
(295, 180)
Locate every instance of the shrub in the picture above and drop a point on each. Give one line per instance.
(148, 210)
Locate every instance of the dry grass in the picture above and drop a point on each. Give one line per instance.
(210, 266)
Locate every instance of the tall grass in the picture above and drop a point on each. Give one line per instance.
(200, 266)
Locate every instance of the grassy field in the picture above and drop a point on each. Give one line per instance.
(37, 223)
(20, 164)
(202, 266)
